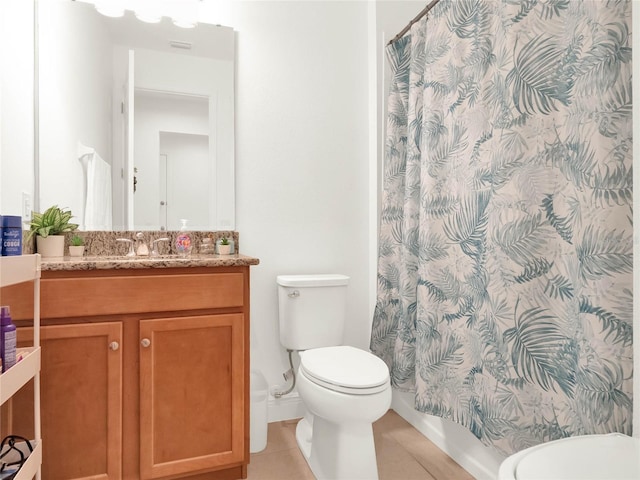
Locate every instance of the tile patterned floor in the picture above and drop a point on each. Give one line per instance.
(403, 454)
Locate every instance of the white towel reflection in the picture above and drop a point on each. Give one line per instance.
(97, 207)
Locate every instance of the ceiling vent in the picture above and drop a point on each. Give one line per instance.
(180, 44)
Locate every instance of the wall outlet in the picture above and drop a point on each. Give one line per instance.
(26, 207)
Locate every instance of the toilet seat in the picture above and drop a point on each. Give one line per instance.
(610, 456)
(345, 369)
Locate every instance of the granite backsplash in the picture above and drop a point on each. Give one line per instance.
(104, 243)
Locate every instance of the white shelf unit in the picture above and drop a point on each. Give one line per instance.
(14, 270)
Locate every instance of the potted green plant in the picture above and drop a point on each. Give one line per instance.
(49, 227)
(76, 246)
(224, 246)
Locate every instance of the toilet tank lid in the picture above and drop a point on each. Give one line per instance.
(320, 280)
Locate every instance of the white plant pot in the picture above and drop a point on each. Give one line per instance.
(224, 249)
(51, 246)
(76, 251)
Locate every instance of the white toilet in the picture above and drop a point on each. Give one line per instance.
(613, 456)
(344, 389)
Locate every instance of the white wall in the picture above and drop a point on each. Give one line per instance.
(16, 112)
(301, 157)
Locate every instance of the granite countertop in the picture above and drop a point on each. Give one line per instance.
(106, 262)
(104, 252)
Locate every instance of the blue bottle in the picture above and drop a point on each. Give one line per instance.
(7, 339)
(11, 235)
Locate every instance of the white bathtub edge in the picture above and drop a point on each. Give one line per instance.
(453, 439)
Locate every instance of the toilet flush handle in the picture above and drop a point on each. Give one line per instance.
(294, 294)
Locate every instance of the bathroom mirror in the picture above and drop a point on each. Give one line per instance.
(136, 120)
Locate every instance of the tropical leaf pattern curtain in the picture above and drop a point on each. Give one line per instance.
(505, 250)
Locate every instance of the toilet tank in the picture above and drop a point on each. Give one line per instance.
(312, 310)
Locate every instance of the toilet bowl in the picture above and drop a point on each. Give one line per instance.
(344, 390)
(613, 456)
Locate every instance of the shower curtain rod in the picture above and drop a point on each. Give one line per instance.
(424, 11)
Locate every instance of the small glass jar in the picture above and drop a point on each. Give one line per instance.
(207, 247)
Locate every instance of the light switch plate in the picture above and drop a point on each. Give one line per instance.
(26, 206)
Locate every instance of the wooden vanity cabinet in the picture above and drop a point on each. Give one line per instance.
(144, 374)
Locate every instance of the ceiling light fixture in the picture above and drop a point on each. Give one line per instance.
(183, 13)
(112, 8)
(148, 17)
(184, 23)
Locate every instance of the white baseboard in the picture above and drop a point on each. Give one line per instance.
(455, 440)
(287, 407)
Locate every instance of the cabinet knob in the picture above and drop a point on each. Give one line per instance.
(145, 342)
(114, 346)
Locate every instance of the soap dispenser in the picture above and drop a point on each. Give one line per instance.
(183, 241)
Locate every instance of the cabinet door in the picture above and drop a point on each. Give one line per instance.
(81, 402)
(192, 394)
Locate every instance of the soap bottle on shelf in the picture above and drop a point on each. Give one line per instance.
(7, 339)
(183, 241)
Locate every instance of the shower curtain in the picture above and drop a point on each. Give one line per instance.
(505, 250)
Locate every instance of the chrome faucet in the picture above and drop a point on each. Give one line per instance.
(142, 249)
(131, 252)
(154, 246)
